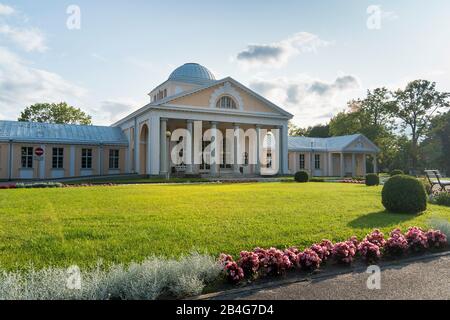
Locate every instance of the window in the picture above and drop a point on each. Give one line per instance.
(58, 158)
(317, 161)
(269, 160)
(225, 155)
(204, 165)
(226, 102)
(302, 161)
(86, 159)
(27, 157)
(114, 159)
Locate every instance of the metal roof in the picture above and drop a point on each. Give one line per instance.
(337, 144)
(192, 73)
(60, 133)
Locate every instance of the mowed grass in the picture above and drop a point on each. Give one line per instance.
(127, 223)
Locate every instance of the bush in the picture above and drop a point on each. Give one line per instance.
(436, 239)
(309, 260)
(369, 251)
(377, 238)
(442, 199)
(344, 252)
(404, 194)
(396, 172)
(372, 179)
(316, 180)
(301, 176)
(323, 249)
(417, 239)
(249, 262)
(397, 244)
(39, 185)
(152, 279)
(272, 261)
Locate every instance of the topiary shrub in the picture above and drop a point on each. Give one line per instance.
(301, 176)
(442, 199)
(404, 194)
(372, 179)
(396, 172)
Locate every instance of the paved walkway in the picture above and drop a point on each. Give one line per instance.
(426, 279)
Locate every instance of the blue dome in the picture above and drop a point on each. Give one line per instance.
(193, 73)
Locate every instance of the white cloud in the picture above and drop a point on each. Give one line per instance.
(278, 53)
(113, 110)
(311, 101)
(6, 10)
(22, 85)
(30, 39)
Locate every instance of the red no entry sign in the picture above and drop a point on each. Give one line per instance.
(39, 152)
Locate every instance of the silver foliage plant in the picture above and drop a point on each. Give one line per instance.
(440, 224)
(149, 280)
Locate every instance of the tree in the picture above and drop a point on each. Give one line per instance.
(435, 149)
(415, 107)
(60, 113)
(372, 117)
(317, 131)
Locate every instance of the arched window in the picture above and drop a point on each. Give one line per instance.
(226, 102)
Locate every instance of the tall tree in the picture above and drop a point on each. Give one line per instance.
(415, 107)
(436, 146)
(60, 113)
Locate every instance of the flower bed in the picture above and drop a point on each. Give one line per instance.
(272, 262)
(42, 185)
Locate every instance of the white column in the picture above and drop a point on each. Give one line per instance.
(312, 163)
(330, 164)
(100, 161)
(284, 149)
(237, 149)
(153, 148)
(188, 146)
(10, 161)
(364, 164)
(214, 146)
(128, 153)
(342, 165)
(137, 146)
(375, 164)
(258, 150)
(353, 165)
(72, 161)
(163, 144)
(42, 164)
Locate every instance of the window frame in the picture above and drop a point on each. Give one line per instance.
(226, 102)
(59, 157)
(114, 159)
(26, 160)
(301, 161)
(317, 160)
(86, 158)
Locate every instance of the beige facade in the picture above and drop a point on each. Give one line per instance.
(68, 164)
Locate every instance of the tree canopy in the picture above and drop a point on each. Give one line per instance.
(60, 113)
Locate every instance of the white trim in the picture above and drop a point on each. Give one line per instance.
(226, 90)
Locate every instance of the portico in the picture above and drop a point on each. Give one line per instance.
(217, 127)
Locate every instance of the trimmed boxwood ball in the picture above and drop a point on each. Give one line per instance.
(372, 179)
(301, 176)
(404, 194)
(396, 172)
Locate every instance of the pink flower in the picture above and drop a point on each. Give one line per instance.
(344, 252)
(377, 238)
(273, 261)
(370, 251)
(417, 239)
(309, 260)
(436, 239)
(397, 244)
(249, 262)
(323, 249)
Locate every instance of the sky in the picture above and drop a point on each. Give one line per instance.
(308, 57)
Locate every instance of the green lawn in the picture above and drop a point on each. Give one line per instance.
(123, 223)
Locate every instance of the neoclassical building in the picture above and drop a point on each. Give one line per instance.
(241, 124)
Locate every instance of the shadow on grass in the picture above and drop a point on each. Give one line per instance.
(380, 219)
